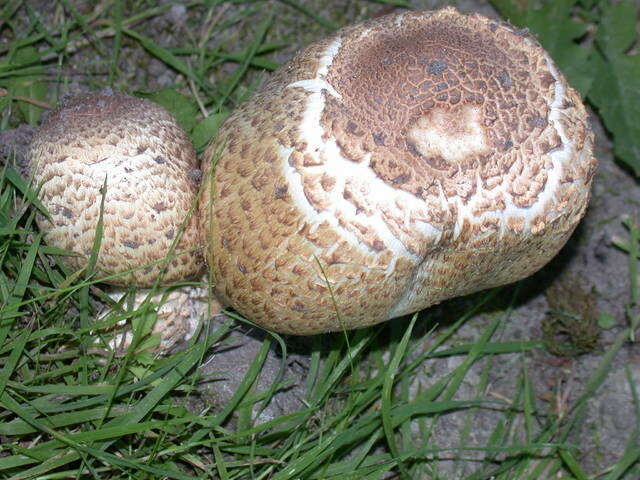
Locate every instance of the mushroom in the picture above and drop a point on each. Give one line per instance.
(398, 163)
(149, 166)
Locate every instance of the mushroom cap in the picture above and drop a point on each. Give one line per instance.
(151, 173)
(398, 163)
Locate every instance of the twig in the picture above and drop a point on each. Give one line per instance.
(30, 100)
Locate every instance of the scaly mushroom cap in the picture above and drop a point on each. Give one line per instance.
(398, 163)
(152, 181)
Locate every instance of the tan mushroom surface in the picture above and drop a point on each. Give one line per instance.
(152, 179)
(398, 163)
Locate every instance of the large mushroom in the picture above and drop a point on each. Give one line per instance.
(398, 163)
(136, 149)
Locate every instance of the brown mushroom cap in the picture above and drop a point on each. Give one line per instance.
(398, 163)
(149, 165)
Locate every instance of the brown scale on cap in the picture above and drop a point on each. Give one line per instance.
(148, 163)
(438, 107)
(400, 162)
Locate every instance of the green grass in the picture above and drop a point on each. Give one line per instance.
(71, 408)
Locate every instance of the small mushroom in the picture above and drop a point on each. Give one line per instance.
(136, 148)
(398, 163)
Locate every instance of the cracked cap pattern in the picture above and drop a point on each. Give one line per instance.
(149, 165)
(398, 163)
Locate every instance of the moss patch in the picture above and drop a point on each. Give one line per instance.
(571, 325)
